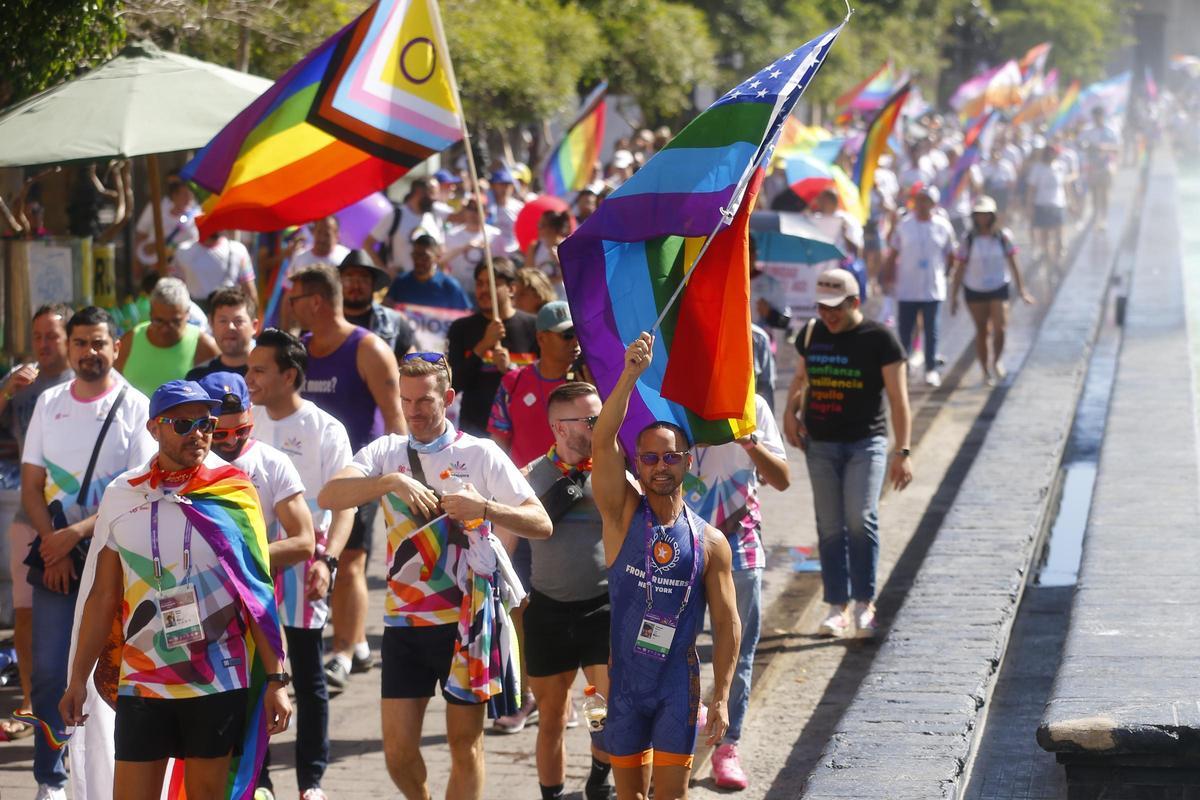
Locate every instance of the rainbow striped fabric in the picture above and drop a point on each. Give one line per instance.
(571, 164)
(373, 101)
(623, 264)
(873, 92)
(976, 143)
(1066, 107)
(875, 142)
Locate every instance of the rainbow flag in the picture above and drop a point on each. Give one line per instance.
(570, 165)
(875, 142)
(1065, 107)
(1034, 60)
(361, 110)
(873, 84)
(623, 264)
(224, 508)
(976, 144)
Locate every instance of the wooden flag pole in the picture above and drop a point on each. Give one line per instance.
(442, 51)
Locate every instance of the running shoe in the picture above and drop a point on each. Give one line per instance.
(314, 793)
(515, 723)
(727, 768)
(46, 792)
(263, 793)
(572, 716)
(933, 378)
(360, 665)
(336, 675)
(835, 624)
(866, 626)
(1001, 372)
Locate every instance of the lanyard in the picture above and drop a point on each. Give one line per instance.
(187, 546)
(687, 595)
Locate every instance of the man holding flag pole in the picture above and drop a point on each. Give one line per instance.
(676, 231)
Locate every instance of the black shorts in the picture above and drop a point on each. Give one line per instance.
(973, 296)
(152, 729)
(363, 528)
(562, 637)
(416, 660)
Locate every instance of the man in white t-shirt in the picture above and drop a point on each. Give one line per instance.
(922, 247)
(837, 225)
(212, 263)
(1047, 199)
(66, 425)
(319, 447)
(505, 208)
(435, 470)
(290, 525)
(390, 242)
(326, 247)
(464, 244)
(179, 212)
(722, 487)
(1101, 147)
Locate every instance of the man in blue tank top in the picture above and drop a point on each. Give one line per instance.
(664, 563)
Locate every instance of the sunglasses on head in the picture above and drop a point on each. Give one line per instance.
(186, 426)
(221, 434)
(432, 358)
(671, 458)
(589, 421)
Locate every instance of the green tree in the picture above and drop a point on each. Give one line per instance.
(657, 52)
(1085, 32)
(46, 41)
(518, 61)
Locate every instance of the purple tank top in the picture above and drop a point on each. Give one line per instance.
(333, 383)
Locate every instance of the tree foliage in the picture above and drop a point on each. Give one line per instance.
(47, 41)
(1084, 32)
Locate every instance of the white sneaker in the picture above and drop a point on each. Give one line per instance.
(866, 626)
(933, 378)
(836, 624)
(51, 792)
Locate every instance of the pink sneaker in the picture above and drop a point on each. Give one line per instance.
(727, 768)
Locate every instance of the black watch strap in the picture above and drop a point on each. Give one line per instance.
(281, 678)
(903, 451)
(330, 561)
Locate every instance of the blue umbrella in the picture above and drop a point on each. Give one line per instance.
(784, 237)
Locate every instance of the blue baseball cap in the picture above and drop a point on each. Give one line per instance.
(176, 393)
(554, 317)
(501, 176)
(446, 176)
(228, 390)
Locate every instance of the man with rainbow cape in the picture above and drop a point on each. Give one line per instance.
(180, 630)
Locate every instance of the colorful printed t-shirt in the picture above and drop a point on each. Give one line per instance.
(148, 667)
(274, 477)
(417, 594)
(62, 435)
(520, 412)
(319, 447)
(722, 487)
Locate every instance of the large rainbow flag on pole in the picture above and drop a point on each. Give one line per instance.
(688, 207)
(875, 142)
(373, 101)
(570, 165)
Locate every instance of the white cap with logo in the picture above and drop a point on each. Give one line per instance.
(835, 285)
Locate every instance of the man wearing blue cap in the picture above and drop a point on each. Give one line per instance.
(185, 586)
(292, 542)
(390, 240)
(504, 207)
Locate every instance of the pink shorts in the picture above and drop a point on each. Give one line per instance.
(20, 536)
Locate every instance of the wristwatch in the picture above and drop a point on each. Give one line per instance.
(331, 562)
(903, 451)
(281, 678)
(752, 441)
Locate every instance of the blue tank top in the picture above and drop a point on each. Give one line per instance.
(675, 552)
(333, 383)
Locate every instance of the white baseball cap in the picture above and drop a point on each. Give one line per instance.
(835, 285)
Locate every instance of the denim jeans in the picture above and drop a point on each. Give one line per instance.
(847, 478)
(53, 617)
(908, 323)
(747, 584)
(306, 655)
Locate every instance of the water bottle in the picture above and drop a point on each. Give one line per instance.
(595, 709)
(455, 484)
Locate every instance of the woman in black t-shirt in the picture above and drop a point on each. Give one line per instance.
(835, 414)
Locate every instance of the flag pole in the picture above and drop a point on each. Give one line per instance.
(444, 53)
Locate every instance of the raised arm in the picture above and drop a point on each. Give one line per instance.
(609, 486)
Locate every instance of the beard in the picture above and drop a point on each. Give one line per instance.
(91, 369)
(580, 444)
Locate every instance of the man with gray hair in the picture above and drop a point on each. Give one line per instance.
(164, 347)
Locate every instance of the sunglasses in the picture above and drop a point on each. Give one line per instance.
(671, 458)
(221, 434)
(292, 300)
(567, 336)
(185, 426)
(432, 358)
(589, 421)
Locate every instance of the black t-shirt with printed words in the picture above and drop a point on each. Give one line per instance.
(845, 380)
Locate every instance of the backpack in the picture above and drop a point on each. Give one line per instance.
(1005, 243)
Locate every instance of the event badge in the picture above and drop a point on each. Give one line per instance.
(654, 639)
(180, 615)
(923, 263)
